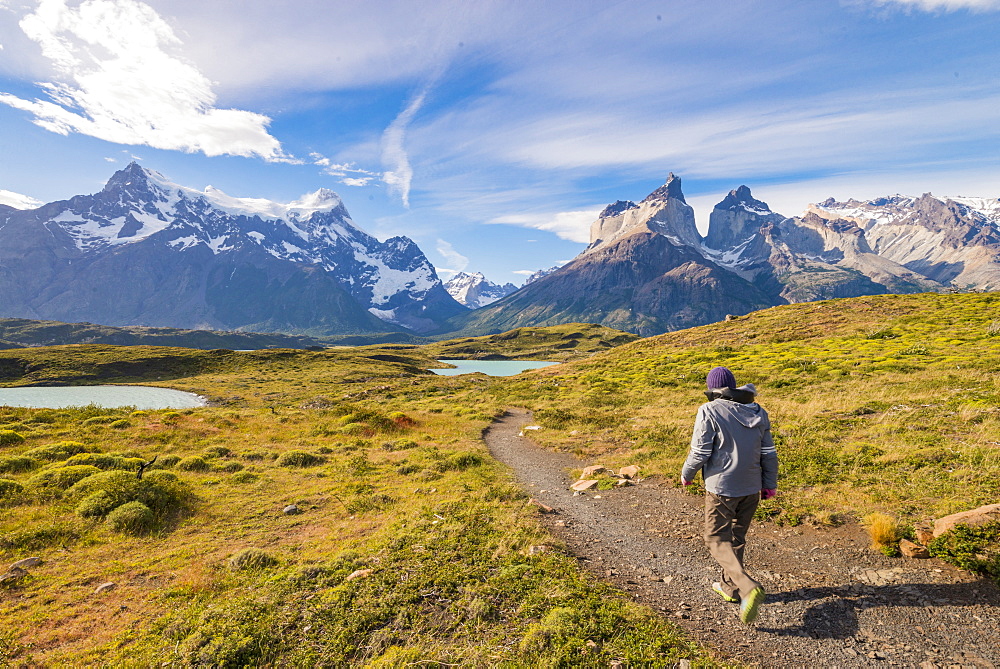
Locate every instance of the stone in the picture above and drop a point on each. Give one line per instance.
(629, 472)
(584, 484)
(291, 510)
(621, 483)
(925, 535)
(13, 574)
(538, 550)
(912, 550)
(105, 587)
(588, 472)
(541, 507)
(27, 562)
(981, 516)
(360, 573)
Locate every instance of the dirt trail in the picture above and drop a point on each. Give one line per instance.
(832, 601)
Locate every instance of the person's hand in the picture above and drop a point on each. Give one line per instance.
(768, 493)
(685, 481)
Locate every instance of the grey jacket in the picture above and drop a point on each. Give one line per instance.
(733, 448)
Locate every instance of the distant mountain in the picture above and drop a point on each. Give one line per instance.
(145, 251)
(20, 332)
(540, 274)
(648, 270)
(475, 291)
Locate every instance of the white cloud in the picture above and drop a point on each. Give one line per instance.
(18, 201)
(454, 258)
(356, 181)
(571, 225)
(118, 79)
(939, 5)
(399, 173)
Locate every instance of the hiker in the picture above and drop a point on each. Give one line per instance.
(733, 449)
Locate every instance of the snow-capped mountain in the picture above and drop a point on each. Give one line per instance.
(475, 290)
(648, 270)
(146, 251)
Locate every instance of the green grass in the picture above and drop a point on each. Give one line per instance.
(389, 474)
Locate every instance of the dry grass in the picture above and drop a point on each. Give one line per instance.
(882, 529)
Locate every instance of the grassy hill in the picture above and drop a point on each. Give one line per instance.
(886, 403)
(389, 475)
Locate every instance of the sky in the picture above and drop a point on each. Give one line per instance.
(493, 132)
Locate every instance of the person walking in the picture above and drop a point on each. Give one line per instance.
(732, 447)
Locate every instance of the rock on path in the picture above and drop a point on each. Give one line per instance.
(832, 601)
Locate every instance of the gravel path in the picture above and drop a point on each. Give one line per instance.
(832, 601)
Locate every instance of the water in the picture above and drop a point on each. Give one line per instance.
(491, 367)
(58, 397)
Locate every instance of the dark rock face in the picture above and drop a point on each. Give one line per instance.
(670, 190)
(619, 207)
(643, 283)
(144, 251)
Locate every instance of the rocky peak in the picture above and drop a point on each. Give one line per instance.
(741, 198)
(670, 190)
(619, 207)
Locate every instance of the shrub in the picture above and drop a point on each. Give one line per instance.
(167, 461)
(217, 452)
(62, 450)
(105, 461)
(193, 463)
(61, 478)
(244, 477)
(976, 549)
(884, 533)
(230, 467)
(131, 518)
(459, 462)
(408, 468)
(17, 463)
(251, 558)
(99, 420)
(120, 424)
(300, 459)
(99, 503)
(161, 491)
(9, 437)
(253, 455)
(10, 488)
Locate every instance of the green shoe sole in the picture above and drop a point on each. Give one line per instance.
(750, 607)
(721, 593)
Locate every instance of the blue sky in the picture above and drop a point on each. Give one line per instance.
(492, 132)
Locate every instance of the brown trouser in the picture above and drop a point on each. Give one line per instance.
(726, 522)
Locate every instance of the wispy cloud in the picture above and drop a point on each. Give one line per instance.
(570, 225)
(343, 170)
(398, 173)
(457, 261)
(18, 201)
(119, 78)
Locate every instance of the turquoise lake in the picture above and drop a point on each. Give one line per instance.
(140, 397)
(491, 367)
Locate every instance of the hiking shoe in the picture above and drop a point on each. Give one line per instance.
(750, 605)
(722, 593)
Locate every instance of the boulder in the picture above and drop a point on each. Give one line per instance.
(538, 550)
(912, 550)
(981, 516)
(360, 573)
(291, 510)
(925, 535)
(584, 484)
(588, 472)
(13, 574)
(629, 472)
(27, 562)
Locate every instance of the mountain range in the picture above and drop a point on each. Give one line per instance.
(146, 251)
(648, 270)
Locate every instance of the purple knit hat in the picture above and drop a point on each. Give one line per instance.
(720, 377)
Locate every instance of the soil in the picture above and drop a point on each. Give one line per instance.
(831, 600)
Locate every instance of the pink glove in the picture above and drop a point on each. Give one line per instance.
(686, 482)
(768, 493)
